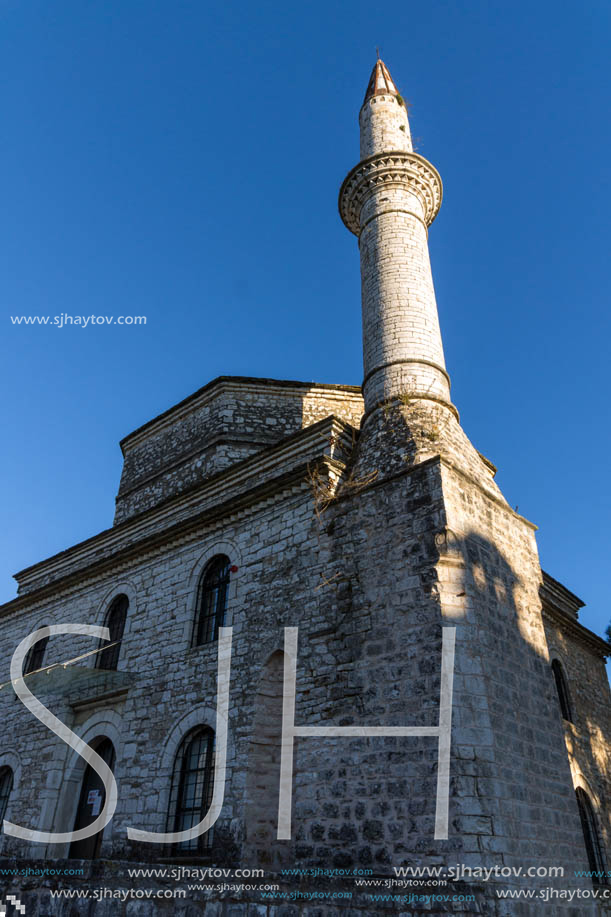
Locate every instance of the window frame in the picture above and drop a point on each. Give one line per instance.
(212, 600)
(180, 788)
(591, 836)
(7, 776)
(562, 691)
(108, 656)
(35, 655)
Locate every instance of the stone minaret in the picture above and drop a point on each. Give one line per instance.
(388, 201)
(434, 544)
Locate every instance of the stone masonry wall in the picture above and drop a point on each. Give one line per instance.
(587, 737)
(229, 421)
(523, 804)
(370, 581)
(384, 125)
(172, 679)
(513, 792)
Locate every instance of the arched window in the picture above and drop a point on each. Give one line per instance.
(590, 835)
(191, 791)
(115, 622)
(212, 600)
(6, 786)
(563, 691)
(36, 654)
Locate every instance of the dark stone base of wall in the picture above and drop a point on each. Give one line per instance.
(105, 889)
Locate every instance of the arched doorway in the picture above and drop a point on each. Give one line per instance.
(91, 800)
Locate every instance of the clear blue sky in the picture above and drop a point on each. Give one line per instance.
(181, 160)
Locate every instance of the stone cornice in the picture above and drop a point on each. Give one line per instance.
(573, 629)
(440, 369)
(418, 396)
(557, 595)
(442, 461)
(223, 439)
(155, 545)
(499, 499)
(402, 169)
(266, 469)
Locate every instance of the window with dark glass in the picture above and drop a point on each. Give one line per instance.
(563, 691)
(191, 790)
(591, 836)
(6, 786)
(212, 600)
(115, 622)
(35, 657)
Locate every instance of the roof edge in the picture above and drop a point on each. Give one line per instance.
(237, 380)
(309, 432)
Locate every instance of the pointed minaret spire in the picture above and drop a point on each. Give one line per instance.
(380, 81)
(383, 118)
(389, 200)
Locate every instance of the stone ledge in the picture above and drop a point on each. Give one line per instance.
(251, 480)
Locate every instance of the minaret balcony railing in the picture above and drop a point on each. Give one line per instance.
(405, 170)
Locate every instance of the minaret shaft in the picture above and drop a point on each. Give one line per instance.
(402, 349)
(388, 201)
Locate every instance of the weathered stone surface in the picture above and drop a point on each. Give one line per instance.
(223, 423)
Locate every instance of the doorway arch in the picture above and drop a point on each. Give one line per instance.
(91, 799)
